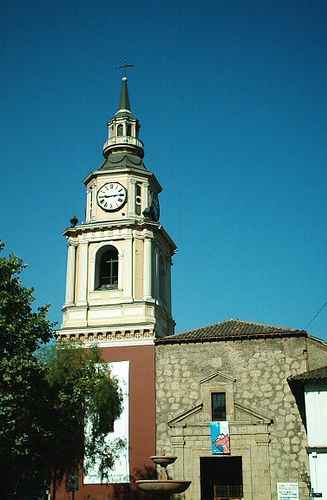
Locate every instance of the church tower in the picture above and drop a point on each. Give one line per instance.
(118, 289)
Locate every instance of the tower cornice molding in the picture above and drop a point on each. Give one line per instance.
(131, 171)
(153, 230)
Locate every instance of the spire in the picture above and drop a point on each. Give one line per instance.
(123, 128)
(124, 104)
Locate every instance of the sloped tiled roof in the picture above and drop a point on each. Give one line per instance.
(318, 375)
(233, 329)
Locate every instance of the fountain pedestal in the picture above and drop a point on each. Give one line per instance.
(163, 487)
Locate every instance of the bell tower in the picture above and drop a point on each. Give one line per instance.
(118, 286)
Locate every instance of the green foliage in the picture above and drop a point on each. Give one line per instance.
(48, 391)
(83, 390)
(21, 329)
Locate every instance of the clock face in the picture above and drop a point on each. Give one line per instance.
(155, 207)
(111, 196)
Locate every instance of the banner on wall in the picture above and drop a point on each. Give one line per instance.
(220, 438)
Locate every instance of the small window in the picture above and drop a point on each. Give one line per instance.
(138, 199)
(108, 269)
(129, 130)
(120, 130)
(218, 406)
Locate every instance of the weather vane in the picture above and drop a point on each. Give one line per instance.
(124, 66)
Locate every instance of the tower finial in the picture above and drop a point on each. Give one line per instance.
(124, 103)
(124, 66)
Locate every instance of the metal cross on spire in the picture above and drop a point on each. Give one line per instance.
(124, 66)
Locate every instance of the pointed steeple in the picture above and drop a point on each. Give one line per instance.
(124, 104)
(123, 129)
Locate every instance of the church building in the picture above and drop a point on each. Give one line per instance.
(217, 397)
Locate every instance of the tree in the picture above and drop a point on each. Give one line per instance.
(82, 391)
(47, 392)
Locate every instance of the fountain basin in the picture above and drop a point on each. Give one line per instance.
(163, 460)
(161, 486)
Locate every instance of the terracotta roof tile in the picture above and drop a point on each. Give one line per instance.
(230, 330)
(320, 374)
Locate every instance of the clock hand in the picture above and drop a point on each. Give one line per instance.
(110, 195)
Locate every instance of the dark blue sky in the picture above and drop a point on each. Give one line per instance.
(232, 100)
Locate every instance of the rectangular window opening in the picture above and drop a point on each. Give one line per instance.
(218, 406)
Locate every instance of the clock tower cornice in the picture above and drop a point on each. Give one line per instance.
(97, 174)
(152, 229)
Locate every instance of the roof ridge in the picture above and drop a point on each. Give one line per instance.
(266, 324)
(239, 321)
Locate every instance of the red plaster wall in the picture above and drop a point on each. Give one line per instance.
(141, 425)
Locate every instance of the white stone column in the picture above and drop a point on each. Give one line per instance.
(88, 214)
(156, 272)
(128, 268)
(168, 282)
(121, 270)
(147, 273)
(90, 200)
(70, 276)
(131, 199)
(82, 274)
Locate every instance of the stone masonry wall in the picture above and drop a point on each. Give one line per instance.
(260, 368)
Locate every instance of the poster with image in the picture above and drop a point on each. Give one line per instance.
(220, 438)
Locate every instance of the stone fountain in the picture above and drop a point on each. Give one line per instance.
(163, 486)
